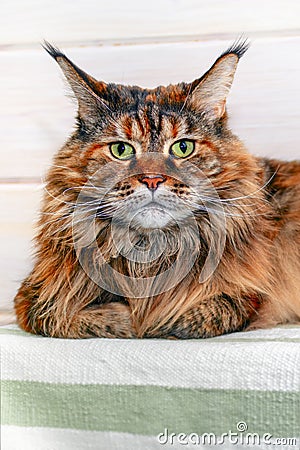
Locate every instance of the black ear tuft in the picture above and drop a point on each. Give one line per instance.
(61, 58)
(239, 47)
(53, 51)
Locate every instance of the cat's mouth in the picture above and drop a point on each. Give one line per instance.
(152, 215)
(148, 210)
(154, 205)
(158, 215)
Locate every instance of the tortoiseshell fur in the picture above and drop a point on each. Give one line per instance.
(257, 281)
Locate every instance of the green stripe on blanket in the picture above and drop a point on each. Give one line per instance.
(148, 409)
(102, 394)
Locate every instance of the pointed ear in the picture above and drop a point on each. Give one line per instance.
(208, 94)
(87, 90)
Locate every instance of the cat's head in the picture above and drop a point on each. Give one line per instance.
(166, 153)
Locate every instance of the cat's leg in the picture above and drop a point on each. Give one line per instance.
(111, 320)
(212, 317)
(71, 319)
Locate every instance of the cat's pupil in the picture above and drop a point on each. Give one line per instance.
(183, 146)
(121, 149)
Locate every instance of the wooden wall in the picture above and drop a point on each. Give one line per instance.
(139, 42)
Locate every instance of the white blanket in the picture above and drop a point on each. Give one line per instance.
(229, 391)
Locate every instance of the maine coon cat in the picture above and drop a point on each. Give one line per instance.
(157, 222)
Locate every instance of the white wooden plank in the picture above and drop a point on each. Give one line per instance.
(18, 211)
(36, 116)
(7, 316)
(98, 20)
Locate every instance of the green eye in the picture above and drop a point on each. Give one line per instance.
(122, 150)
(183, 148)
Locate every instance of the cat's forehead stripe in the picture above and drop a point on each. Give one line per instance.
(150, 125)
(153, 115)
(141, 124)
(128, 127)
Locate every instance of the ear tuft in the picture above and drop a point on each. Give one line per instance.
(53, 51)
(239, 47)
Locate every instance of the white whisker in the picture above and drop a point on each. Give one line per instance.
(252, 193)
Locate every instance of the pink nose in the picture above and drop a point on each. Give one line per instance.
(152, 181)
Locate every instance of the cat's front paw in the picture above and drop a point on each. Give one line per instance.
(111, 320)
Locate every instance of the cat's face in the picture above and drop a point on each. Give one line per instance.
(155, 151)
(154, 158)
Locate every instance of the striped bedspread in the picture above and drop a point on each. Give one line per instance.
(240, 391)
